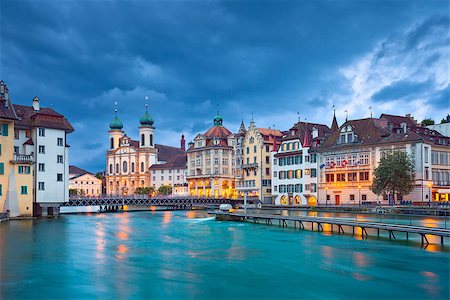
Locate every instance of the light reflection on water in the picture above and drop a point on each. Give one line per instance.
(187, 255)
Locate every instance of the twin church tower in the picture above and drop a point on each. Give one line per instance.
(128, 161)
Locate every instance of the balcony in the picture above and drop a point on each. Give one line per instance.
(249, 166)
(22, 159)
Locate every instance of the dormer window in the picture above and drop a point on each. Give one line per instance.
(347, 135)
(292, 132)
(252, 140)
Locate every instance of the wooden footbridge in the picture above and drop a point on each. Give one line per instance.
(339, 223)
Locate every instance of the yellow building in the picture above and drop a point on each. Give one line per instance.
(16, 181)
(257, 165)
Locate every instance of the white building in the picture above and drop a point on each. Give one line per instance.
(172, 173)
(442, 128)
(350, 155)
(41, 134)
(295, 170)
(82, 182)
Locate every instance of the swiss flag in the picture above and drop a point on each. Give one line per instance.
(332, 164)
(344, 163)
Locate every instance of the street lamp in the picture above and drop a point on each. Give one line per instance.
(326, 196)
(359, 195)
(430, 185)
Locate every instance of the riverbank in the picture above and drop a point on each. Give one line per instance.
(3, 217)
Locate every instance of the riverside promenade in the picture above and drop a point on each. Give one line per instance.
(340, 225)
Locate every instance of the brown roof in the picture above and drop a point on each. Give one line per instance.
(29, 142)
(78, 171)
(218, 131)
(166, 153)
(397, 120)
(270, 135)
(177, 162)
(369, 131)
(300, 129)
(45, 117)
(6, 107)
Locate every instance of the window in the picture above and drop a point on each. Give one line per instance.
(162, 177)
(117, 169)
(340, 177)
(248, 150)
(275, 174)
(41, 167)
(267, 159)
(110, 169)
(59, 141)
(178, 177)
(16, 150)
(59, 159)
(4, 130)
(329, 177)
(125, 166)
(151, 139)
(23, 190)
(41, 186)
(142, 167)
(313, 172)
(364, 159)
(41, 131)
(2, 168)
(352, 197)
(112, 143)
(132, 167)
(267, 148)
(363, 176)
(41, 149)
(170, 177)
(364, 197)
(352, 176)
(225, 161)
(1, 189)
(16, 134)
(267, 171)
(216, 160)
(59, 177)
(142, 139)
(24, 170)
(426, 154)
(275, 161)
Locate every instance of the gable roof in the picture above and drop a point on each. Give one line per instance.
(45, 117)
(78, 171)
(166, 153)
(179, 161)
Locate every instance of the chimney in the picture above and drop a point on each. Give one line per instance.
(36, 105)
(403, 125)
(183, 143)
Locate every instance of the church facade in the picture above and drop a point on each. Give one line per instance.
(128, 161)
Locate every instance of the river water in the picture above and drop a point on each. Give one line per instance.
(172, 255)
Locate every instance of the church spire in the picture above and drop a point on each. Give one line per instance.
(334, 124)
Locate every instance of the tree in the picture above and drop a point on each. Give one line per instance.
(144, 190)
(394, 174)
(165, 190)
(427, 121)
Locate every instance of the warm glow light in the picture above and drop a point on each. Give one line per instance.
(430, 184)
(326, 188)
(359, 187)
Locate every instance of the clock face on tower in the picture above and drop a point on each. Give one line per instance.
(216, 142)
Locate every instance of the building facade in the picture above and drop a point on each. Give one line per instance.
(210, 162)
(172, 173)
(348, 159)
(256, 167)
(128, 161)
(82, 182)
(295, 167)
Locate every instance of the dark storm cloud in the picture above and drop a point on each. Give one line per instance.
(269, 58)
(400, 89)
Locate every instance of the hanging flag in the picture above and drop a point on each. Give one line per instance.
(344, 163)
(357, 162)
(322, 166)
(332, 164)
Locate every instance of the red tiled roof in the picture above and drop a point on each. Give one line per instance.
(30, 142)
(45, 117)
(300, 129)
(217, 131)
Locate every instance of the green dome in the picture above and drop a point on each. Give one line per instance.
(218, 120)
(146, 119)
(116, 124)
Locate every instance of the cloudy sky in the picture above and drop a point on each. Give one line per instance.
(269, 58)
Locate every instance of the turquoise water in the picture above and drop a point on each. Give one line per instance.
(188, 255)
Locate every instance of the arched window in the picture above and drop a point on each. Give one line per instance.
(117, 168)
(142, 139)
(125, 167)
(112, 143)
(132, 167)
(151, 139)
(142, 167)
(110, 169)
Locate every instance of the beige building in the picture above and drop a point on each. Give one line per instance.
(128, 161)
(82, 182)
(210, 162)
(172, 173)
(256, 167)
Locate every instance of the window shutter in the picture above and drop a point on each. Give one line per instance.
(5, 129)
(2, 169)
